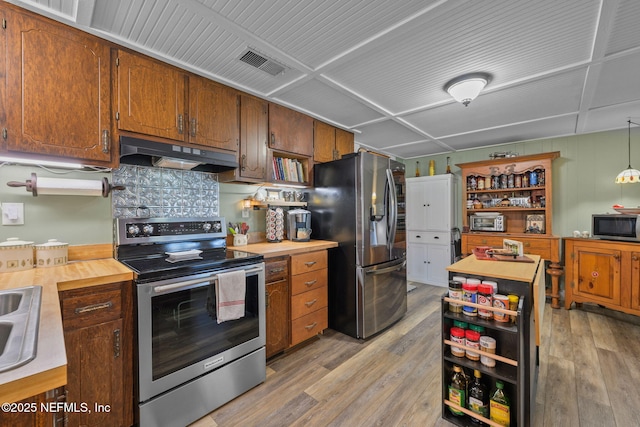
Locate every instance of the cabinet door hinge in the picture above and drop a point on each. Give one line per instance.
(4, 24)
(573, 255)
(573, 284)
(5, 133)
(105, 141)
(117, 62)
(117, 115)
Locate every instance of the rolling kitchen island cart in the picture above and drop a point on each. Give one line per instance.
(516, 354)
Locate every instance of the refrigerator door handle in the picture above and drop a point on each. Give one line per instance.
(393, 211)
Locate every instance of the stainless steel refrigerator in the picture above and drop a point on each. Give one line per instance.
(355, 202)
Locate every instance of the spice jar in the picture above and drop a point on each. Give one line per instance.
(455, 292)
(460, 324)
(472, 341)
(485, 298)
(470, 294)
(493, 284)
(488, 345)
(458, 337)
(477, 328)
(513, 306)
(500, 301)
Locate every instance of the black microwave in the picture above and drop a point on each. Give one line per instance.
(616, 227)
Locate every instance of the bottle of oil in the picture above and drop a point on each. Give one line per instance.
(417, 169)
(499, 406)
(458, 390)
(478, 398)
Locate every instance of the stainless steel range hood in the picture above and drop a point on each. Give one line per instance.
(143, 152)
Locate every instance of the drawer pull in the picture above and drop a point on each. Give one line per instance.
(310, 303)
(310, 283)
(93, 307)
(309, 263)
(276, 270)
(311, 326)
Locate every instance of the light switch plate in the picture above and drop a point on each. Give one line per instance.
(13, 214)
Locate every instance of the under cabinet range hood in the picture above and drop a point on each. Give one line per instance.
(144, 152)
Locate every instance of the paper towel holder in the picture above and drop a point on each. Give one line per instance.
(32, 186)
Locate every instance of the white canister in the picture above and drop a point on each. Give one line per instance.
(15, 255)
(52, 253)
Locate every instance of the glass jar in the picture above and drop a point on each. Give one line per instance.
(455, 292)
(470, 294)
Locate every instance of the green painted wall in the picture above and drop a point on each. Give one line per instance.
(583, 176)
(77, 220)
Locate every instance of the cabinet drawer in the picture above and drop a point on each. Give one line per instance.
(308, 281)
(308, 302)
(310, 325)
(540, 247)
(432, 237)
(308, 262)
(86, 310)
(276, 270)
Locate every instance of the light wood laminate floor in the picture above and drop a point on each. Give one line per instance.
(589, 375)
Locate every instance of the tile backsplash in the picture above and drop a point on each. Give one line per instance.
(161, 192)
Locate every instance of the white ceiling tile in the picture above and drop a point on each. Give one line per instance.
(511, 40)
(626, 28)
(619, 81)
(556, 95)
(387, 133)
(558, 126)
(329, 103)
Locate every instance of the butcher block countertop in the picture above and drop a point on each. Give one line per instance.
(286, 247)
(518, 271)
(49, 369)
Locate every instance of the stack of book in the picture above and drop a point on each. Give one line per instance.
(285, 169)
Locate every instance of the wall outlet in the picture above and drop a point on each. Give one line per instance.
(13, 214)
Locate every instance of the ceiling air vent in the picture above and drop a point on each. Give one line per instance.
(261, 62)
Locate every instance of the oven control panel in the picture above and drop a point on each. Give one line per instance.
(142, 230)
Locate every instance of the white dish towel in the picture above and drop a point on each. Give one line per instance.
(230, 295)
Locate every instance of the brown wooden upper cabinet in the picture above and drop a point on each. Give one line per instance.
(290, 131)
(254, 132)
(57, 96)
(213, 114)
(152, 99)
(330, 143)
(252, 151)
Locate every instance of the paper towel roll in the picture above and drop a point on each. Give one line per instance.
(66, 187)
(69, 187)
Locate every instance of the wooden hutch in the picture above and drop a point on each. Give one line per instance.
(520, 189)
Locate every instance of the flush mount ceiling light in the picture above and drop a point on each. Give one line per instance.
(467, 87)
(629, 175)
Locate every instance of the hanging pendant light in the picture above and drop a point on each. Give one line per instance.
(466, 88)
(629, 175)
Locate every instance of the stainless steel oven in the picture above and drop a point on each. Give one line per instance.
(188, 363)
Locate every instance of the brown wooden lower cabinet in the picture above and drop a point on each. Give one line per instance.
(602, 272)
(277, 304)
(98, 339)
(43, 410)
(296, 299)
(309, 295)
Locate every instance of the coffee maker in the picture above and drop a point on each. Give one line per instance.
(299, 225)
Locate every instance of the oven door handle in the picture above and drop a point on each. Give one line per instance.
(188, 283)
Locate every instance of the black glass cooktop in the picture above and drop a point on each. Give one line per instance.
(152, 263)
